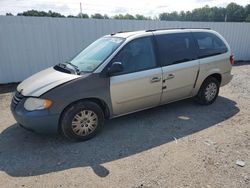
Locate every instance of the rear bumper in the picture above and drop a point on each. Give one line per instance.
(37, 121)
(226, 78)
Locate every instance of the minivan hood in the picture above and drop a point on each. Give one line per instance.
(43, 81)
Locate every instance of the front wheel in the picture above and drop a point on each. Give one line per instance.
(208, 92)
(82, 120)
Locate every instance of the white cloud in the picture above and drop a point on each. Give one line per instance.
(110, 7)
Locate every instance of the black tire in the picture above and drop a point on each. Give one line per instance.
(69, 115)
(201, 97)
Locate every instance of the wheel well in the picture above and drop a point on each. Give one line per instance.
(99, 102)
(216, 76)
(102, 104)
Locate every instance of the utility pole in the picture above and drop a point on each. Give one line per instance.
(80, 10)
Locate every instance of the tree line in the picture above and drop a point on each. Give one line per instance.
(231, 13)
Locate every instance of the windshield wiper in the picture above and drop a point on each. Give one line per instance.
(74, 66)
(63, 68)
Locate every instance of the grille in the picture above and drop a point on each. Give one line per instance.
(16, 99)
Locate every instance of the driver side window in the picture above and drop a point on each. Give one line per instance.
(136, 56)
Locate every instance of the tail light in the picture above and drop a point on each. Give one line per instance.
(232, 59)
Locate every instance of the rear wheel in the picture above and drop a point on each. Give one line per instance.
(82, 120)
(208, 92)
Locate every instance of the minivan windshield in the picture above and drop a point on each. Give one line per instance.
(96, 53)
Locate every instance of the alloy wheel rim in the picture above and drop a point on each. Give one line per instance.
(84, 122)
(211, 91)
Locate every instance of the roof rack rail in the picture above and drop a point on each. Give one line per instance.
(151, 30)
(118, 32)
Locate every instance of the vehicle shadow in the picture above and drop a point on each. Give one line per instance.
(27, 154)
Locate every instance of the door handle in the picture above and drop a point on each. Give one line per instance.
(170, 76)
(155, 79)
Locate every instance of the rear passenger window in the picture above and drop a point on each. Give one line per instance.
(176, 48)
(209, 44)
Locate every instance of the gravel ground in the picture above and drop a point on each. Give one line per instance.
(176, 145)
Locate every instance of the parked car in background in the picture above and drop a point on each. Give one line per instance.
(122, 73)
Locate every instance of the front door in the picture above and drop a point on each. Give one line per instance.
(139, 85)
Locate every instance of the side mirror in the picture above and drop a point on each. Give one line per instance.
(115, 68)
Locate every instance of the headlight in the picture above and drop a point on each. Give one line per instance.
(32, 104)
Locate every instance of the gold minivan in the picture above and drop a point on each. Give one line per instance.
(123, 73)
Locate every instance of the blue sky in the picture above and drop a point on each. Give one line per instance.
(111, 7)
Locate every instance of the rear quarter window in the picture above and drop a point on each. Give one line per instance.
(209, 44)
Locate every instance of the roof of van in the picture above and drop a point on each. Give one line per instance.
(126, 34)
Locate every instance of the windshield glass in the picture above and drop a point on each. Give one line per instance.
(96, 53)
